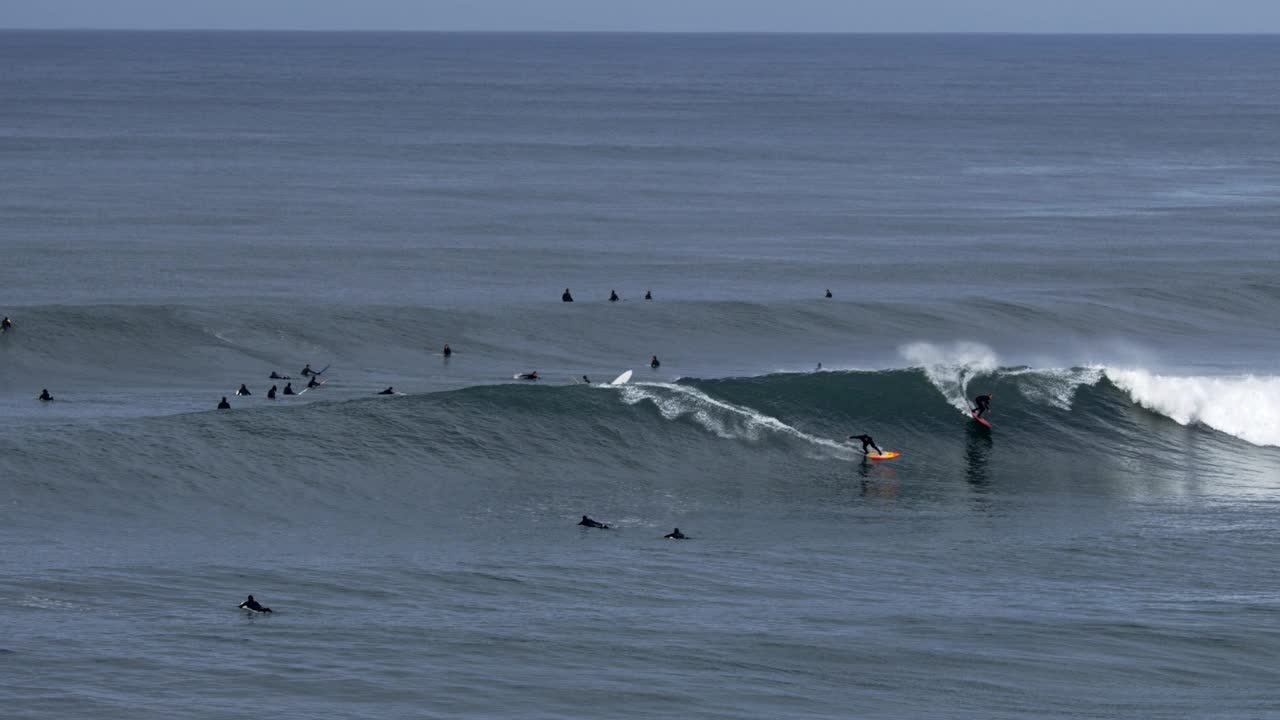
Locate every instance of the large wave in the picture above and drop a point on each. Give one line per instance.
(1246, 407)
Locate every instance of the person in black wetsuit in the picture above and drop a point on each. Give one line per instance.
(586, 379)
(243, 390)
(313, 383)
(224, 405)
(388, 391)
(529, 375)
(254, 605)
(866, 440)
(566, 297)
(6, 325)
(828, 293)
(447, 350)
(288, 389)
(44, 395)
(675, 535)
(648, 295)
(307, 370)
(653, 362)
(983, 403)
(271, 394)
(613, 296)
(588, 522)
(277, 376)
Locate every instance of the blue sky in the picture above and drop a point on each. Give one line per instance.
(657, 15)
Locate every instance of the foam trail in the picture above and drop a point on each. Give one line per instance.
(725, 419)
(950, 368)
(1056, 387)
(1247, 407)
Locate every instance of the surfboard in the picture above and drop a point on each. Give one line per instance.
(520, 376)
(884, 456)
(322, 382)
(622, 379)
(974, 415)
(326, 367)
(263, 611)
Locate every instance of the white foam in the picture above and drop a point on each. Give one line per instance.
(1245, 406)
(951, 367)
(1056, 387)
(725, 419)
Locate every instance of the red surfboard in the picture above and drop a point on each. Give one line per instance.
(974, 413)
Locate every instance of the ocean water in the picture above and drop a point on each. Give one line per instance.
(1083, 226)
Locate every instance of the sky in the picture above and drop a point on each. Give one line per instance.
(1051, 16)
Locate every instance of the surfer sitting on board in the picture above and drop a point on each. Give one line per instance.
(288, 389)
(866, 440)
(6, 324)
(314, 382)
(271, 394)
(566, 297)
(588, 522)
(243, 390)
(675, 535)
(613, 296)
(254, 605)
(983, 403)
(653, 362)
(224, 405)
(447, 351)
(45, 396)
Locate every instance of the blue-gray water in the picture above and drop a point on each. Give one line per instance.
(1083, 226)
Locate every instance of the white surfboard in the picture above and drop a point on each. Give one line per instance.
(622, 379)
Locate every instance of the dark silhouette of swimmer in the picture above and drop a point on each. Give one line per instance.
(44, 395)
(6, 325)
(254, 605)
(983, 403)
(819, 366)
(588, 522)
(648, 295)
(271, 394)
(566, 297)
(224, 405)
(586, 379)
(529, 375)
(288, 389)
(675, 535)
(243, 390)
(277, 376)
(653, 362)
(307, 370)
(313, 382)
(388, 391)
(447, 351)
(613, 296)
(866, 440)
(828, 293)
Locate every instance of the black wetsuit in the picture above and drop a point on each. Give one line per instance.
(224, 405)
(4, 326)
(271, 394)
(447, 351)
(648, 295)
(588, 522)
(586, 379)
(288, 389)
(277, 376)
(308, 371)
(243, 390)
(653, 363)
(613, 296)
(388, 391)
(984, 404)
(45, 396)
(252, 604)
(566, 297)
(313, 382)
(866, 440)
(828, 293)
(529, 376)
(675, 535)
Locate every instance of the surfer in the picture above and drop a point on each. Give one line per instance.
(828, 293)
(566, 297)
(675, 535)
(388, 391)
(45, 396)
(648, 295)
(288, 389)
(653, 362)
(307, 370)
(983, 403)
(224, 405)
(613, 296)
(277, 376)
(528, 376)
(6, 325)
(866, 440)
(254, 605)
(243, 390)
(586, 379)
(588, 522)
(819, 366)
(271, 394)
(313, 383)
(447, 351)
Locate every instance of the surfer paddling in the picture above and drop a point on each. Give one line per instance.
(588, 522)
(254, 605)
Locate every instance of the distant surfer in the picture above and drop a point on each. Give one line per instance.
(586, 379)
(828, 293)
(983, 403)
(588, 522)
(819, 366)
(566, 297)
(277, 376)
(243, 390)
(271, 394)
(45, 396)
(313, 383)
(224, 405)
(447, 351)
(867, 441)
(388, 391)
(288, 389)
(528, 376)
(653, 362)
(6, 325)
(675, 535)
(648, 295)
(613, 296)
(254, 605)
(307, 370)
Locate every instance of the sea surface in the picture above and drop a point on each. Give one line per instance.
(1085, 227)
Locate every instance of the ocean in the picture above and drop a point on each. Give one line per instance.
(1084, 227)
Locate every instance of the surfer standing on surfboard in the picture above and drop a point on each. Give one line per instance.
(984, 404)
(866, 440)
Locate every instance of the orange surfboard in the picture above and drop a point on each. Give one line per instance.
(884, 456)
